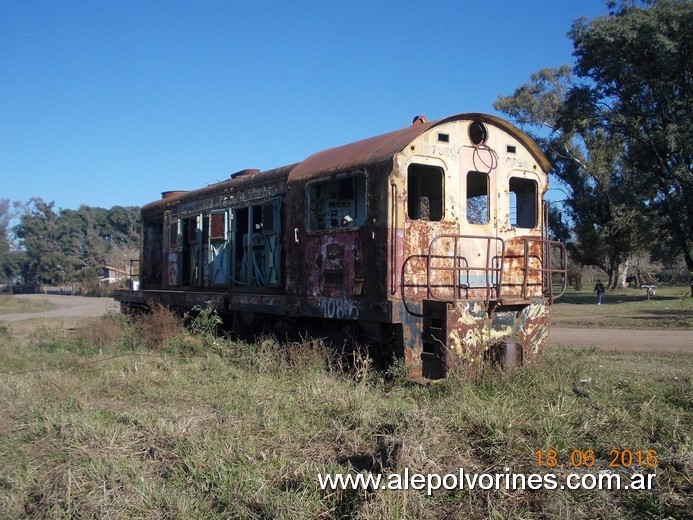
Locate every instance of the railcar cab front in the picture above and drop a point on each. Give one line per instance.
(471, 265)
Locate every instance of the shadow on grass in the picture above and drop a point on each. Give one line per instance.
(666, 319)
(671, 312)
(610, 298)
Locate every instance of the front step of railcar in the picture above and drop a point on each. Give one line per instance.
(466, 333)
(434, 339)
(454, 334)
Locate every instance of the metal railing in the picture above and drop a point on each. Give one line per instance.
(460, 278)
(494, 274)
(540, 270)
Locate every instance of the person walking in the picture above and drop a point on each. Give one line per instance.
(599, 289)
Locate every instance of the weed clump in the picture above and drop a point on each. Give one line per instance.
(5, 330)
(158, 326)
(110, 332)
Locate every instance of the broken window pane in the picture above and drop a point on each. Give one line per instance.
(477, 198)
(523, 203)
(337, 203)
(425, 192)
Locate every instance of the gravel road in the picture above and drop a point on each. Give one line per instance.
(65, 307)
(650, 340)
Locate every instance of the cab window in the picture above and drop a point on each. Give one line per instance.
(425, 192)
(477, 198)
(338, 203)
(523, 203)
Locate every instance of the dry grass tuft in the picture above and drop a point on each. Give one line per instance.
(158, 326)
(106, 331)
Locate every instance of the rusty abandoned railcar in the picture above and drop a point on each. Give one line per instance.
(429, 241)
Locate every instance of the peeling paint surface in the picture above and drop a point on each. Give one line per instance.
(533, 328)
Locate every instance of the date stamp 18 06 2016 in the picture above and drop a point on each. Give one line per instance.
(624, 458)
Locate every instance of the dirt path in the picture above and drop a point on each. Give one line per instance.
(651, 340)
(65, 307)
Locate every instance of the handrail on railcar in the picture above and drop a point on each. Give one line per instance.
(493, 269)
(549, 272)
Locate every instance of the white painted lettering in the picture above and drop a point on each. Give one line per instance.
(338, 308)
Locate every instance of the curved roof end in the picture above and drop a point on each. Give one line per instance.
(384, 147)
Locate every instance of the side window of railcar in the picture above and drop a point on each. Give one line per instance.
(523, 203)
(192, 236)
(425, 192)
(256, 260)
(153, 248)
(172, 259)
(173, 235)
(218, 249)
(337, 203)
(477, 198)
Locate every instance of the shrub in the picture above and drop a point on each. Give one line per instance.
(158, 326)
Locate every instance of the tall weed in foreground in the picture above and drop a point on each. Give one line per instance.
(205, 321)
(5, 330)
(158, 326)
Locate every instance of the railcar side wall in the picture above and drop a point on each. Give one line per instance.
(337, 249)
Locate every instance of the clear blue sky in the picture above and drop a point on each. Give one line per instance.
(111, 102)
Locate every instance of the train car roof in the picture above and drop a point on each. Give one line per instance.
(384, 147)
(238, 181)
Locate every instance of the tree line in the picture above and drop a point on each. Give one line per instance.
(39, 245)
(617, 129)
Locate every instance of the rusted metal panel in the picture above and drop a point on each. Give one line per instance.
(465, 334)
(465, 267)
(453, 335)
(469, 333)
(419, 235)
(522, 277)
(532, 328)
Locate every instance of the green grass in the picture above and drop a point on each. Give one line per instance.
(121, 421)
(11, 304)
(671, 307)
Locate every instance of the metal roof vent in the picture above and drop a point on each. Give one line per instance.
(171, 194)
(419, 120)
(244, 173)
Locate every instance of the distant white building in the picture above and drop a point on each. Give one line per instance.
(109, 275)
